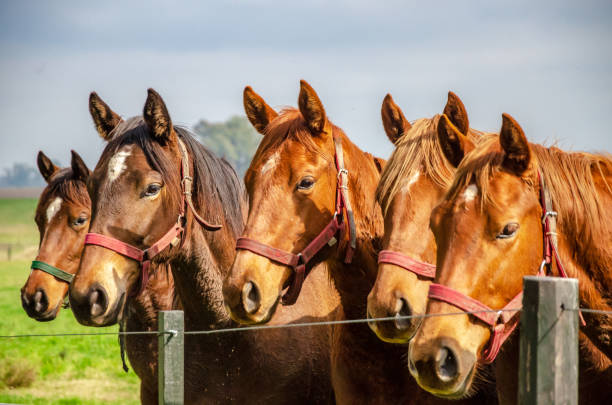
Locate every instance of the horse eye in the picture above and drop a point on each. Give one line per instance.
(508, 231)
(152, 189)
(79, 221)
(306, 183)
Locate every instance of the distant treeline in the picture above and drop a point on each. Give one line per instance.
(234, 139)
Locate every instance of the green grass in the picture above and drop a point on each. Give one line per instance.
(65, 370)
(17, 225)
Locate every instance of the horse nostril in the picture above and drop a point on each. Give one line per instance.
(251, 298)
(97, 302)
(446, 364)
(41, 303)
(402, 309)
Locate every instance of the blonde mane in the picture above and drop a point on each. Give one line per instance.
(417, 150)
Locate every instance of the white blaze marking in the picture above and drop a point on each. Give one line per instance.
(271, 163)
(413, 179)
(116, 164)
(53, 208)
(470, 193)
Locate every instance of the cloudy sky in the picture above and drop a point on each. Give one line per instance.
(548, 63)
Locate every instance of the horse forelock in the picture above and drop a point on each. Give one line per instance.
(64, 186)
(417, 151)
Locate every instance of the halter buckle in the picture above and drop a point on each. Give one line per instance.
(342, 171)
(548, 214)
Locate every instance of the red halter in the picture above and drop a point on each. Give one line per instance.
(399, 259)
(327, 236)
(172, 237)
(504, 321)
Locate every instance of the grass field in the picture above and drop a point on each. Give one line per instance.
(50, 370)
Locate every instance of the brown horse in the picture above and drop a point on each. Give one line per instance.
(412, 183)
(62, 217)
(489, 234)
(292, 184)
(137, 192)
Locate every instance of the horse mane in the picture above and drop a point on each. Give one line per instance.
(217, 189)
(64, 185)
(569, 179)
(418, 150)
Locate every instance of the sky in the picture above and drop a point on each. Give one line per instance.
(547, 63)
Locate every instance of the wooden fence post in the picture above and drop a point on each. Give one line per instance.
(548, 362)
(171, 363)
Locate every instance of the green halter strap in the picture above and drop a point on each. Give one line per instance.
(54, 271)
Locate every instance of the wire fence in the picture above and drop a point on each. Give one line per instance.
(293, 325)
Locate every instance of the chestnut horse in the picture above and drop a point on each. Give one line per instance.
(295, 184)
(489, 234)
(412, 183)
(155, 180)
(62, 216)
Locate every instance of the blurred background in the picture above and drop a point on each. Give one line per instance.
(547, 63)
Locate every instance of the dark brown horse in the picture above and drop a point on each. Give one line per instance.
(489, 234)
(412, 183)
(62, 217)
(292, 184)
(137, 194)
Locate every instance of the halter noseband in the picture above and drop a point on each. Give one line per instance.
(417, 267)
(54, 271)
(172, 237)
(504, 321)
(297, 262)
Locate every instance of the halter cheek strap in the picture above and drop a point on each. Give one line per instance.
(297, 262)
(504, 321)
(54, 271)
(401, 260)
(172, 237)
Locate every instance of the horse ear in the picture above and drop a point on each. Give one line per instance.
(380, 164)
(393, 119)
(311, 108)
(453, 142)
(79, 168)
(456, 113)
(156, 116)
(46, 166)
(258, 112)
(104, 118)
(514, 143)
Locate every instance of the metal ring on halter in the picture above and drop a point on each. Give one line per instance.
(548, 214)
(542, 267)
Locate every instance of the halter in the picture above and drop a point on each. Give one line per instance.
(54, 271)
(415, 266)
(504, 321)
(297, 262)
(172, 237)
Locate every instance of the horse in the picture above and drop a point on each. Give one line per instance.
(412, 183)
(311, 201)
(491, 229)
(159, 196)
(62, 217)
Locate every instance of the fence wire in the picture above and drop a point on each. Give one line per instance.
(291, 325)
